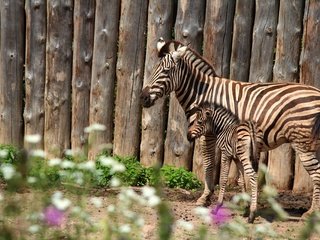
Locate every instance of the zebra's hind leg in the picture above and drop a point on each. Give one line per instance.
(225, 167)
(241, 180)
(312, 165)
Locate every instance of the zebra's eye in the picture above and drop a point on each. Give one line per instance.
(207, 113)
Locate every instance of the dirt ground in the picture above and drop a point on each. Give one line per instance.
(182, 203)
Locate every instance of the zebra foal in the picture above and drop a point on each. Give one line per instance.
(240, 141)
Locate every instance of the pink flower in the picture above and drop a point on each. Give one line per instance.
(54, 216)
(220, 215)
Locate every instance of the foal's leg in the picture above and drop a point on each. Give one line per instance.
(208, 148)
(225, 167)
(241, 180)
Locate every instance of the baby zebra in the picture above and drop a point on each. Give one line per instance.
(240, 141)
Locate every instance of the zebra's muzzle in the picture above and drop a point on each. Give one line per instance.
(191, 136)
(145, 97)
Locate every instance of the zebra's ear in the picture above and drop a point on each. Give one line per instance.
(160, 44)
(178, 54)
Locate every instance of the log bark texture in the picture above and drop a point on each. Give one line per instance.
(81, 69)
(217, 42)
(58, 76)
(130, 65)
(263, 41)
(189, 30)
(309, 74)
(35, 67)
(240, 55)
(160, 24)
(286, 69)
(104, 62)
(12, 53)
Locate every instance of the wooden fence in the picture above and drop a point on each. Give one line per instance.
(67, 64)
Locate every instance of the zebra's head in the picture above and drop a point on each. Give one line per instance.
(164, 78)
(202, 124)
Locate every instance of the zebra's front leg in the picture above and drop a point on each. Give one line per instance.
(208, 147)
(225, 168)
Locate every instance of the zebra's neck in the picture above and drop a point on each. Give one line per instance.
(191, 76)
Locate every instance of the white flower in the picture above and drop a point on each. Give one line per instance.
(67, 164)
(95, 127)
(78, 177)
(34, 228)
(245, 197)
(111, 208)
(8, 171)
(38, 153)
(54, 162)
(34, 138)
(4, 153)
(148, 191)
(125, 228)
(139, 222)
(32, 180)
(115, 182)
(89, 165)
(185, 225)
(96, 201)
(153, 201)
(1, 197)
(59, 202)
(117, 167)
(107, 161)
(203, 213)
(68, 152)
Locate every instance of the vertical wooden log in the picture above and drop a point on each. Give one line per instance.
(241, 52)
(218, 35)
(188, 29)
(309, 74)
(129, 72)
(58, 76)
(160, 23)
(81, 69)
(286, 69)
(12, 52)
(263, 41)
(217, 49)
(104, 71)
(35, 67)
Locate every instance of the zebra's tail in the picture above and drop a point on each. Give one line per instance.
(316, 127)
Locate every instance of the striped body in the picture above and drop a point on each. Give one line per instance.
(240, 141)
(285, 112)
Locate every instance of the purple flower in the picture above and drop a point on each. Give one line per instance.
(220, 215)
(53, 216)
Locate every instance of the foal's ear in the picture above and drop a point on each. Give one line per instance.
(179, 53)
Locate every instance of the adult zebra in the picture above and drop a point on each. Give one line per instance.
(241, 141)
(285, 112)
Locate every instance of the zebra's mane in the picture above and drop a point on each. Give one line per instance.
(173, 45)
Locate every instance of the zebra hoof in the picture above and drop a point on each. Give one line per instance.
(251, 217)
(203, 202)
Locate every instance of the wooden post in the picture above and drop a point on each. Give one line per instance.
(160, 23)
(12, 52)
(81, 70)
(217, 49)
(35, 67)
(104, 72)
(309, 74)
(129, 72)
(58, 76)
(286, 69)
(240, 55)
(188, 29)
(263, 41)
